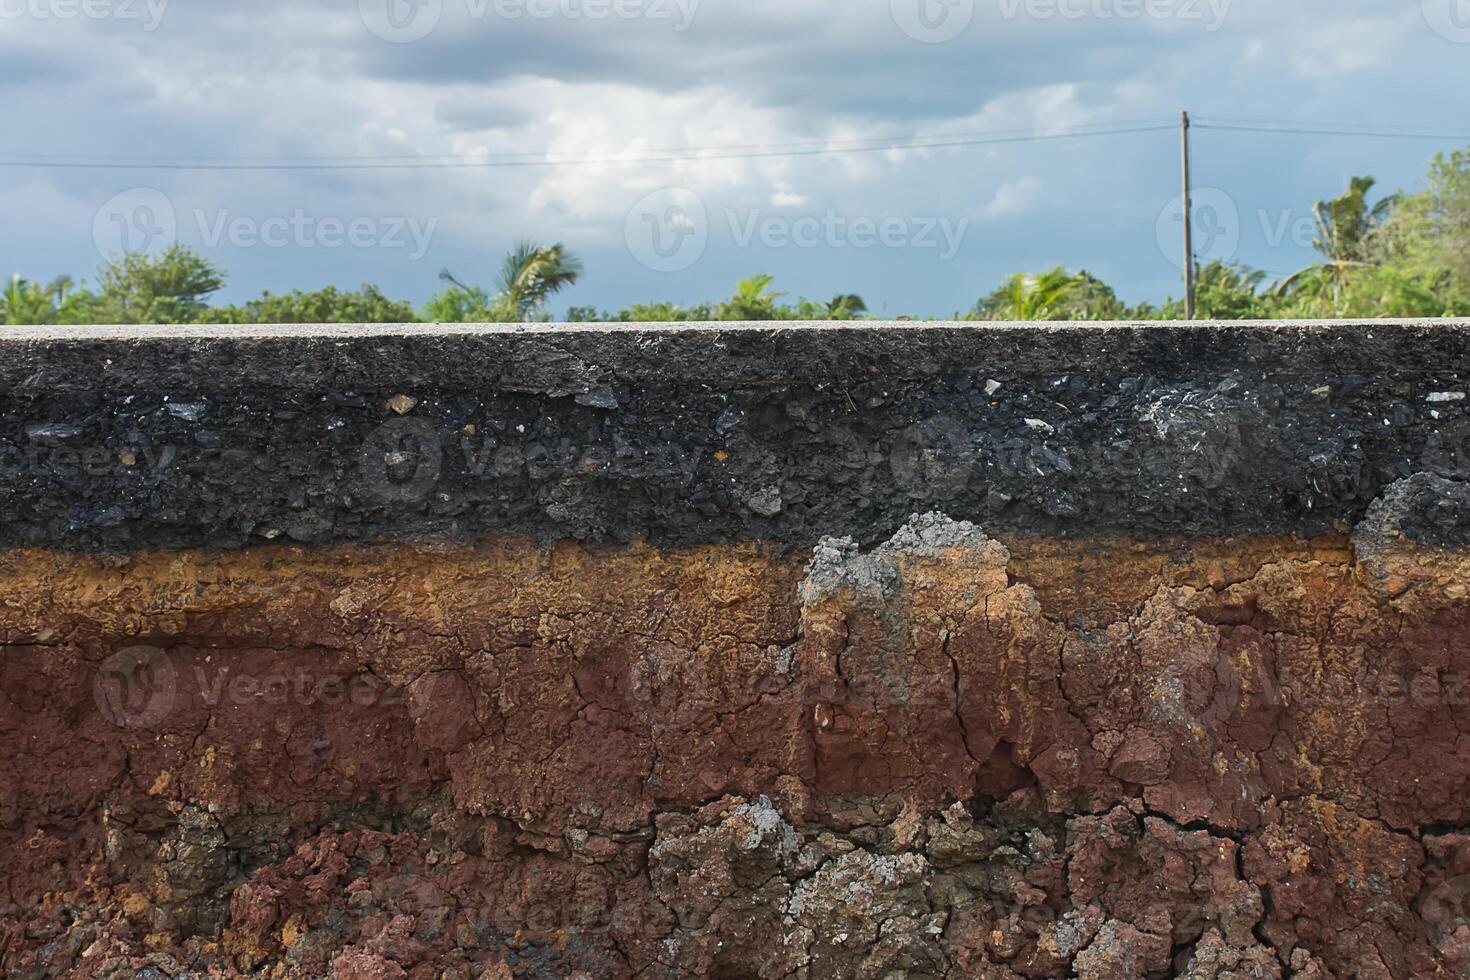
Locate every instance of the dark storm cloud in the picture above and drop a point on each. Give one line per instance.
(860, 66)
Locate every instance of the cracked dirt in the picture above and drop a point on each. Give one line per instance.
(948, 756)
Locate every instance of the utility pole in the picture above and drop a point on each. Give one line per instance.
(1188, 221)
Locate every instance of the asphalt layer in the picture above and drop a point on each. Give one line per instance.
(114, 438)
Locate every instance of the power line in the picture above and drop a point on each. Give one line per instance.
(799, 148)
(882, 142)
(1322, 131)
(1328, 124)
(692, 154)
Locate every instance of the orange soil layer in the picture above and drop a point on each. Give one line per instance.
(947, 757)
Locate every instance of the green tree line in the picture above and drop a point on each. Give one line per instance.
(1406, 255)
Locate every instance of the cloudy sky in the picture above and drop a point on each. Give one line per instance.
(620, 92)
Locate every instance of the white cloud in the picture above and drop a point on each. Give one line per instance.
(1015, 197)
(785, 197)
(1344, 47)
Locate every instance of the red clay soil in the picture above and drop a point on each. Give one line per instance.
(947, 757)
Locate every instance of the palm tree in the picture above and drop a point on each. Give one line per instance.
(1033, 297)
(753, 300)
(1344, 223)
(529, 275)
(846, 306)
(1228, 292)
(1089, 298)
(1345, 227)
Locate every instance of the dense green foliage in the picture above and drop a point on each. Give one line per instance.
(318, 306)
(173, 287)
(1403, 255)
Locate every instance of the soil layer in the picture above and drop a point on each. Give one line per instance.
(944, 756)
